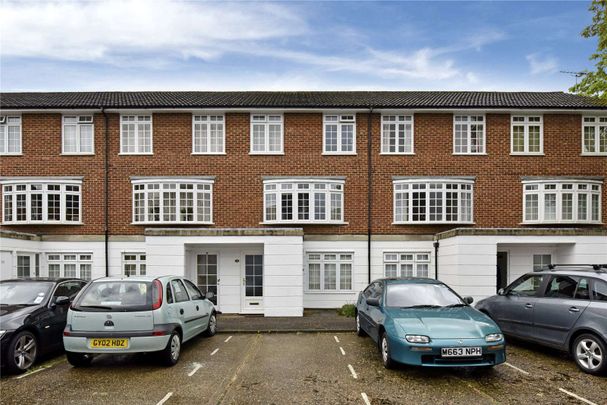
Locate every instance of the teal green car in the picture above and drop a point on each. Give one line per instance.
(423, 322)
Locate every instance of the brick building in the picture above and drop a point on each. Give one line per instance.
(283, 201)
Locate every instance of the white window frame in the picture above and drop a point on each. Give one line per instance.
(398, 258)
(294, 187)
(140, 259)
(343, 118)
(597, 123)
(467, 119)
(147, 186)
(539, 188)
(137, 121)
(410, 186)
(80, 259)
(526, 124)
(401, 122)
(63, 192)
(340, 258)
(208, 119)
(78, 125)
(4, 126)
(255, 119)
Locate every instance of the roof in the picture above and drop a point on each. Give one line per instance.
(300, 99)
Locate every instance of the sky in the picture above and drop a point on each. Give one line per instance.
(291, 45)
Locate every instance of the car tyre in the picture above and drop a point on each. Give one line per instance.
(170, 354)
(212, 327)
(590, 354)
(384, 347)
(79, 359)
(359, 329)
(22, 352)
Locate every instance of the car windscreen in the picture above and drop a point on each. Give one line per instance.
(24, 293)
(421, 295)
(117, 296)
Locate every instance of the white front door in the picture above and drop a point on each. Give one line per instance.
(252, 283)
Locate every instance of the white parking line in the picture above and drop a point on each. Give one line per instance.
(214, 351)
(41, 368)
(166, 398)
(352, 371)
(577, 397)
(336, 339)
(196, 368)
(365, 398)
(342, 350)
(516, 368)
(228, 339)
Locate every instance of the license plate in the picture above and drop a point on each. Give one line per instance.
(461, 352)
(109, 343)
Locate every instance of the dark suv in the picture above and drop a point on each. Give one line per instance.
(561, 306)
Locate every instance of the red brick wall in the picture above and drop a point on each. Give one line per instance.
(238, 193)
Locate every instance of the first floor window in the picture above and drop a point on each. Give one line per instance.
(41, 202)
(339, 134)
(561, 201)
(133, 264)
(406, 264)
(433, 201)
(78, 134)
(306, 201)
(469, 134)
(209, 135)
(594, 141)
(266, 134)
(527, 134)
(168, 201)
(541, 261)
(70, 265)
(330, 271)
(397, 134)
(10, 135)
(136, 134)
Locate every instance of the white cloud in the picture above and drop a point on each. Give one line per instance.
(539, 64)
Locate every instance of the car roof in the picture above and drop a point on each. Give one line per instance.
(574, 271)
(42, 279)
(135, 278)
(408, 280)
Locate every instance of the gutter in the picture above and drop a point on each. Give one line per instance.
(369, 191)
(106, 191)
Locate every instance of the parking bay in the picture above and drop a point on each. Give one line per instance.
(300, 368)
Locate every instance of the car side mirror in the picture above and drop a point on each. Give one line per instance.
(209, 295)
(62, 300)
(374, 302)
(501, 292)
(468, 300)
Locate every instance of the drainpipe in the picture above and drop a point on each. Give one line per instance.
(436, 245)
(369, 192)
(106, 191)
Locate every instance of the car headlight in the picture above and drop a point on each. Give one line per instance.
(417, 339)
(2, 332)
(494, 337)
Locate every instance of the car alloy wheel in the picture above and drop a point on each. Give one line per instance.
(25, 351)
(357, 323)
(212, 324)
(384, 349)
(588, 354)
(175, 347)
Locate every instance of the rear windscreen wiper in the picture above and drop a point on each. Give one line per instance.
(96, 307)
(423, 306)
(455, 305)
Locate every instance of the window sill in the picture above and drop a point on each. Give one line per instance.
(11, 154)
(469, 154)
(208, 153)
(330, 292)
(397, 153)
(526, 154)
(339, 153)
(267, 153)
(594, 154)
(434, 223)
(136, 154)
(562, 223)
(304, 223)
(41, 223)
(171, 223)
(78, 154)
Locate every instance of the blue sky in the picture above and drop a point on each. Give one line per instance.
(164, 45)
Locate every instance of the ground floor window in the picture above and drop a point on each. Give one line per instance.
(541, 261)
(330, 271)
(406, 264)
(133, 264)
(76, 265)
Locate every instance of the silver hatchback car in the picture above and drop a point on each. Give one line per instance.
(136, 314)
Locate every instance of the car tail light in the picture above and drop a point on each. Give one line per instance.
(157, 294)
(66, 331)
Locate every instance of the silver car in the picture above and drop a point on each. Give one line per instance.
(136, 314)
(563, 306)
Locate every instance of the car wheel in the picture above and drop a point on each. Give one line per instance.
(79, 359)
(590, 354)
(212, 328)
(359, 330)
(170, 354)
(384, 347)
(22, 352)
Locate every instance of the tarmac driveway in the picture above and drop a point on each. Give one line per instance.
(312, 368)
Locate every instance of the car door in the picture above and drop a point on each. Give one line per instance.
(514, 310)
(55, 318)
(363, 307)
(376, 316)
(557, 310)
(183, 308)
(201, 312)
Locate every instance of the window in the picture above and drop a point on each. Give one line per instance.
(305, 201)
(133, 264)
(266, 134)
(468, 134)
(406, 264)
(433, 201)
(76, 265)
(136, 134)
(599, 290)
(179, 290)
(561, 201)
(527, 135)
(330, 271)
(339, 134)
(208, 134)
(541, 262)
(68, 289)
(397, 134)
(33, 202)
(568, 287)
(10, 135)
(172, 201)
(24, 263)
(527, 286)
(78, 135)
(194, 292)
(594, 136)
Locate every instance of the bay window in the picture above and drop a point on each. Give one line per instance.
(469, 134)
(527, 135)
(136, 134)
(10, 135)
(266, 134)
(594, 136)
(78, 135)
(329, 271)
(208, 134)
(561, 201)
(427, 201)
(303, 201)
(339, 134)
(406, 264)
(397, 134)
